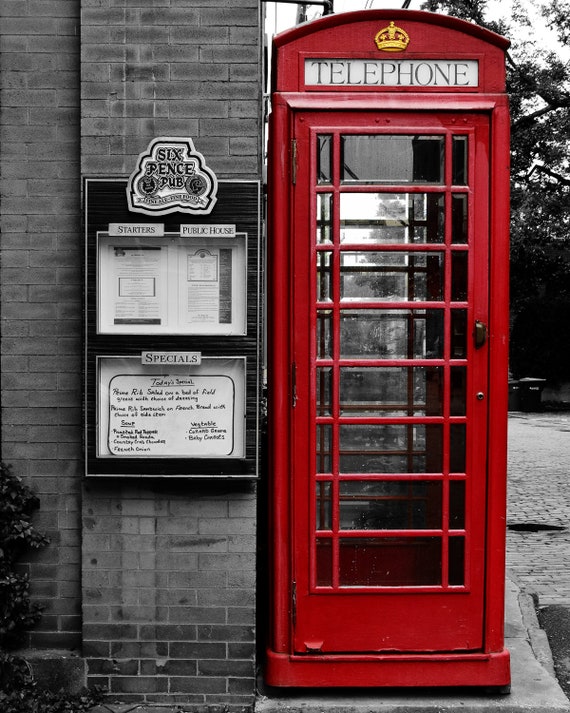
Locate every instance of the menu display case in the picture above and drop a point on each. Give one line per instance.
(172, 336)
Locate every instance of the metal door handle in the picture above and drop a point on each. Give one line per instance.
(480, 334)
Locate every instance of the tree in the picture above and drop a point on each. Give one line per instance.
(538, 82)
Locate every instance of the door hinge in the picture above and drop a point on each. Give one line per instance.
(293, 161)
(293, 384)
(293, 602)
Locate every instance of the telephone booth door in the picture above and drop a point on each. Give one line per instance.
(381, 409)
(389, 419)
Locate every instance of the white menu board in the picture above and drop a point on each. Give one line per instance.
(171, 284)
(186, 411)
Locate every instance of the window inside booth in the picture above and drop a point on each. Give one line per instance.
(391, 344)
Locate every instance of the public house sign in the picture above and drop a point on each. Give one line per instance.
(172, 176)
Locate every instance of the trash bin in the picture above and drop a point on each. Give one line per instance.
(514, 395)
(530, 393)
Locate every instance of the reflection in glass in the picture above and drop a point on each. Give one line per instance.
(392, 159)
(457, 505)
(389, 561)
(390, 505)
(324, 562)
(374, 217)
(458, 391)
(457, 561)
(391, 334)
(459, 276)
(324, 505)
(324, 276)
(457, 448)
(324, 218)
(391, 391)
(459, 218)
(324, 334)
(395, 218)
(392, 276)
(459, 161)
(458, 334)
(324, 162)
(324, 446)
(390, 448)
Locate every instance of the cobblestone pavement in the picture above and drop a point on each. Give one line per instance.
(538, 539)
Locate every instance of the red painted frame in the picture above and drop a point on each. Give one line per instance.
(343, 33)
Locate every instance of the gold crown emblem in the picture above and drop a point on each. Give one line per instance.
(392, 39)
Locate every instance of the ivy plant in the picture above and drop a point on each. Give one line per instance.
(17, 535)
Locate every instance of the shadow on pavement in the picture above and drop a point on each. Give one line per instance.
(555, 620)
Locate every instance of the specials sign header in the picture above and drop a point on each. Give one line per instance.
(348, 72)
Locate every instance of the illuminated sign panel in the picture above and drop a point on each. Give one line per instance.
(327, 72)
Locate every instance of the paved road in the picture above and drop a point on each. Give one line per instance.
(538, 520)
(538, 554)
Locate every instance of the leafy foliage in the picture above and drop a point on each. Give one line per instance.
(538, 82)
(19, 694)
(17, 534)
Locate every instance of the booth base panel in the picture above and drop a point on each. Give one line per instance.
(418, 670)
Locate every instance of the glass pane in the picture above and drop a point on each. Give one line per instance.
(427, 218)
(374, 217)
(324, 562)
(324, 334)
(390, 505)
(324, 276)
(395, 218)
(459, 218)
(390, 561)
(459, 161)
(457, 505)
(459, 276)
(324, 391)
(390, 448)
(391, 334)
(457, 448)
(458, 334)
(394, 276)
(456, 561)
(391, 391)
(392, 159)
(324, 162)
(458, 392)
(324, 505)
(324, 218)
(324, 443)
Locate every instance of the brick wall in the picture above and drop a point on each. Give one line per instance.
(41, 286)
(169, 569)
(169, 593)
(160, 68)
(161, 600)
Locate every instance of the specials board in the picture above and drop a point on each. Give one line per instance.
(184, 411)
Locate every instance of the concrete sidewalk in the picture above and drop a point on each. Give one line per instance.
(537, 562)
(534, 686)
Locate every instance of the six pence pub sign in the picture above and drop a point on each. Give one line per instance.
(172, 176)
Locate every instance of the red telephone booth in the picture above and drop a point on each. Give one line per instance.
(388, 317)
